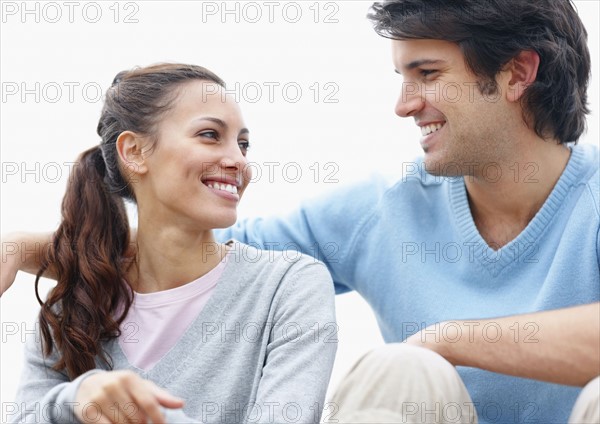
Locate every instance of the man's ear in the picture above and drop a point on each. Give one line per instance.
(523, 70)
(130, 150)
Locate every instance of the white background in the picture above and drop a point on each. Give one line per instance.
(359, 133)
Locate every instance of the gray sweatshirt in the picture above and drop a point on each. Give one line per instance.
(261, 351)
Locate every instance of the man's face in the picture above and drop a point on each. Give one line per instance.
(462, 129)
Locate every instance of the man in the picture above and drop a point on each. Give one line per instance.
(485, 256)
(498, 89)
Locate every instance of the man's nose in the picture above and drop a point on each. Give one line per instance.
(410, 101)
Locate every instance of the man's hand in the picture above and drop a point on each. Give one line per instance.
(431, 338)
(560, 346)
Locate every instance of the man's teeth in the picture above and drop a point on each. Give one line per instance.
(428, 129)
(224, 187)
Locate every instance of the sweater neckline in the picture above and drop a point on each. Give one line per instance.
(217, 306)
(523, 247)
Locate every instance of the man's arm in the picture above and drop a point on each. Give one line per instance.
(560, 346)
(23, 252)
(326, 227)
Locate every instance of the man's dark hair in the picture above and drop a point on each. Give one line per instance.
(492, 32)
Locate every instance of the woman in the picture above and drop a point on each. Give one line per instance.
(185, 329)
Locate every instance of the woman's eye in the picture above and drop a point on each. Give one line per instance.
(427, 72)
(244, 146)
(209, 134)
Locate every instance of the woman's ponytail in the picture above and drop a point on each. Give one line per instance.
(87, 253)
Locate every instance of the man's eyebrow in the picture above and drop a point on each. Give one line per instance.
(416, 63)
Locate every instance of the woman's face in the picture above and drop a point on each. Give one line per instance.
(196, 172)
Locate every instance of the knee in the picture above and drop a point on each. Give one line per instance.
(587, 406)
(406, 359)
(399, 375)
(409, 353)
(592, 390)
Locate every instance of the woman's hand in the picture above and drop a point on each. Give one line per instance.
(121, 397)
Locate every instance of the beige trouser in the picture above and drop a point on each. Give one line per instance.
(399, 383)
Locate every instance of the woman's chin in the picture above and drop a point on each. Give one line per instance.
(223, 221)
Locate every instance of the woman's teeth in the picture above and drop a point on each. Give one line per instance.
(428, 129)
(224, 187)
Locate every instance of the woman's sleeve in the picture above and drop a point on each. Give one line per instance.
(44, 396)
(301, 348)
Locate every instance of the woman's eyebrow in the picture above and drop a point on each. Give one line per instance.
(217, 121)
(220, 123)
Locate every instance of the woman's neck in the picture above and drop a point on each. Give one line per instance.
(169, 257)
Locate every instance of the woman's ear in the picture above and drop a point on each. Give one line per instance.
(130, 150)
(523, 72)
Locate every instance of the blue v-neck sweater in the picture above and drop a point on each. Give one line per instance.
(412, 250)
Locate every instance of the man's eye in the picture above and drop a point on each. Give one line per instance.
(426, 72)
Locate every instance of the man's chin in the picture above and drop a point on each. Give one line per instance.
(442, 168)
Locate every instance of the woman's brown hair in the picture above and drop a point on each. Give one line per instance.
(88, 250)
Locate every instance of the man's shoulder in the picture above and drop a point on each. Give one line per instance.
(360, 201)
(590, 172)
(590, 157)
(415, 184)
(594, 188)
(411, 177)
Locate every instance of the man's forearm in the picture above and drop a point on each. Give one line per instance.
(28, 249)
(560, 346)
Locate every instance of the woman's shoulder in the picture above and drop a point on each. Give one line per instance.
(275, 266)
(275, 254)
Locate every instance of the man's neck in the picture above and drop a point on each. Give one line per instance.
(503, 202)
